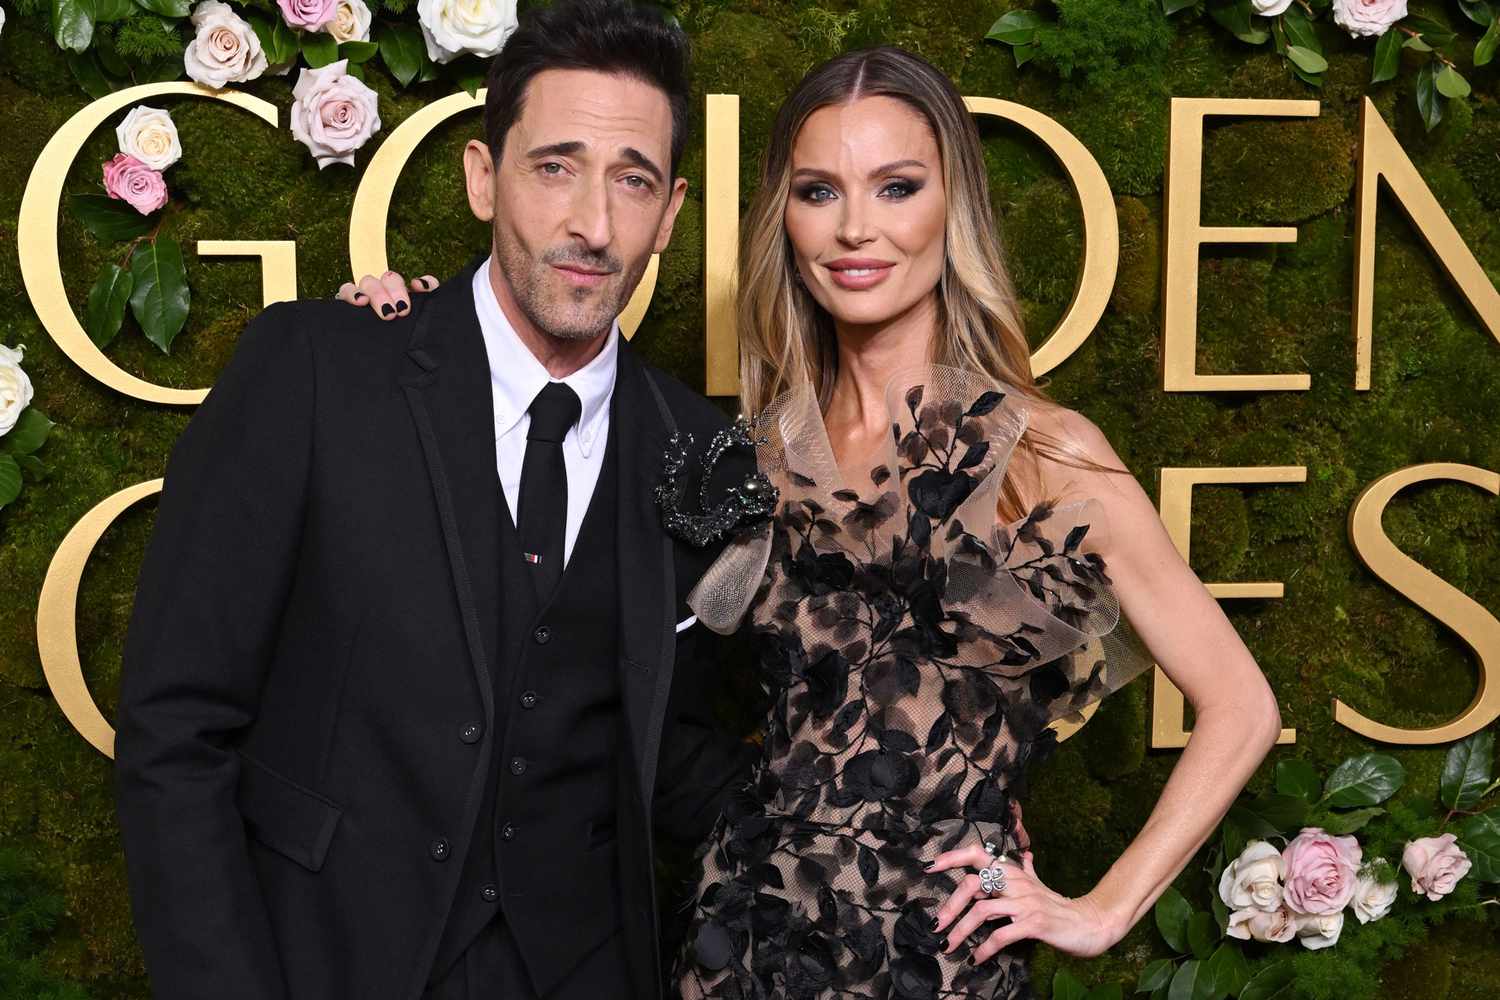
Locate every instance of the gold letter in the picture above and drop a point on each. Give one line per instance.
(1182, 195)
(57, 616)
(372, 201)
(721, 237)
(1474, 625)
(1380, 155)
(36, 235)
(1167, 725)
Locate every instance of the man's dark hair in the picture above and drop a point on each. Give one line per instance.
(608, 36)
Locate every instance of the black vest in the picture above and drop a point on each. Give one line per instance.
(552, 787)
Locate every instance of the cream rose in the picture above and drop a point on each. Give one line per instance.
(15, 387)
(1270, 8)
(333, 114)
(1372, 900)
(1367, 17)
(225, 49)
(1320, 871)
(351, 22)
(1319, 930)
(453, 27)
(1435, 864)
(1254, 878)
(149, 135)
(1278, 925)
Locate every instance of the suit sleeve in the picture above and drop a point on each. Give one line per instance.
(202, 632)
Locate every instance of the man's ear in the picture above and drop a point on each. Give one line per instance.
(669, 219)
(479, 179)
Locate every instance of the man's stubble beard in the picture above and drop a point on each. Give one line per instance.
(559, 316)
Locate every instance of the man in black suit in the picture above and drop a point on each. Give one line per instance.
(378, 736)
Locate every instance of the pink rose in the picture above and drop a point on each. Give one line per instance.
(1367, 17)
(333, 113)
(309, 14)
(1435, 864)
(1254, 924)
(130, 180)
(1321, 871)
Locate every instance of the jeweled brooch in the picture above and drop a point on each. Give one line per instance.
(749, 504)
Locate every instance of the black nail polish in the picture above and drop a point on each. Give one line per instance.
(401, 307)
(935, 922)
(426, 283)
(387, 310)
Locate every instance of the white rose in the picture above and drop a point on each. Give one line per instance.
(1367, 17)
(333, 113)
(2, 18)
(1319, 930)
(1254, 878)
(351, 22)
(1372, 900)
(225, 49)
(15, 387)
(1270, 8)
(1278, 925)
(149, 135)
(453, 27)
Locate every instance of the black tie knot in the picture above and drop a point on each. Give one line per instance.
(553, 411)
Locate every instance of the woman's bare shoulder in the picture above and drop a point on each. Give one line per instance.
(1078, 437)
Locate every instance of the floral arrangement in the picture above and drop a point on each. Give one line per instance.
(1291, 27)
(23, 428)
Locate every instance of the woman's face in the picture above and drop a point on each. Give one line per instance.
(866, 210)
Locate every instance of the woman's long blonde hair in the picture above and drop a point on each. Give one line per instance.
(787, 339)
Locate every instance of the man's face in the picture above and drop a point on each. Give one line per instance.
(581, 198)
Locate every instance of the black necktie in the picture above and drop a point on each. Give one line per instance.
(544, 485)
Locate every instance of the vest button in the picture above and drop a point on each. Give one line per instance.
(528, 699)
(489, 893)
(517, 765)
(438, 849)
(542, 635)
(470, 732)
(508, 832)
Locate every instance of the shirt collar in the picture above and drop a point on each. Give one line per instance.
(516, 376)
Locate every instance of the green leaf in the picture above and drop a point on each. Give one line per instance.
(1282, 812)
(160, 298)
(1023, 53)
(1106, 991)
(1268, 981)
(1478, 11)
(1434, 33)
(109, 219)
(33, 467)
(1415, 43)
(401, 50)
(1170, 7)
(1450, 82)
(1229, 969)
(1429, 101)
(1466, 769)
(319, 49)
(1172, 912)
(358, 52)
(1299, 30)
(1156, 973)
(107, 301)
(90, 74)
(1341, 823)
(1295, 776)
(10, 479)
(1387, 57)
(1236, 17)
(1485, 50)
(112, 10)
(73, 24)
(1480, 837)
(1366, 780)
(1202, 934)
(166, 8)
(1065, 986)
(277, 39)
(471, 82)
(1191, 982)
(1015, 28)
(29, 433)
(1306, 59)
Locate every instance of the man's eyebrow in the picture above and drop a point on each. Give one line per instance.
(556, 149)
(644, 162)
(880, 171)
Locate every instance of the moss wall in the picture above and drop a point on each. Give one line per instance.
(1339, 631)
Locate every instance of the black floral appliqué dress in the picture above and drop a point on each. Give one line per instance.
(918, 652)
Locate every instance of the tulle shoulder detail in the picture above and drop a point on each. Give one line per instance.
(915, 546)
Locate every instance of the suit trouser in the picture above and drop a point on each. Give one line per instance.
(491, 968)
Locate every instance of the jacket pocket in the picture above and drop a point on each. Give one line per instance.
(285, 816)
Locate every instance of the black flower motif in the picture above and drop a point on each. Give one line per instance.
(877, 775)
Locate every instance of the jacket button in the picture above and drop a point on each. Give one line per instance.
(489, 893)
(528, 699)
(517, 765)
(470, 732)
(438, 849)
(508, 832)
(542, 635)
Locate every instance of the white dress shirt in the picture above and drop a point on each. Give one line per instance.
(516, 376)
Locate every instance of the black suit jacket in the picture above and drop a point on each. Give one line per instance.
(315, 625)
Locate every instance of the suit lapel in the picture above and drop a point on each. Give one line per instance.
(446, 382)
(646, 585)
